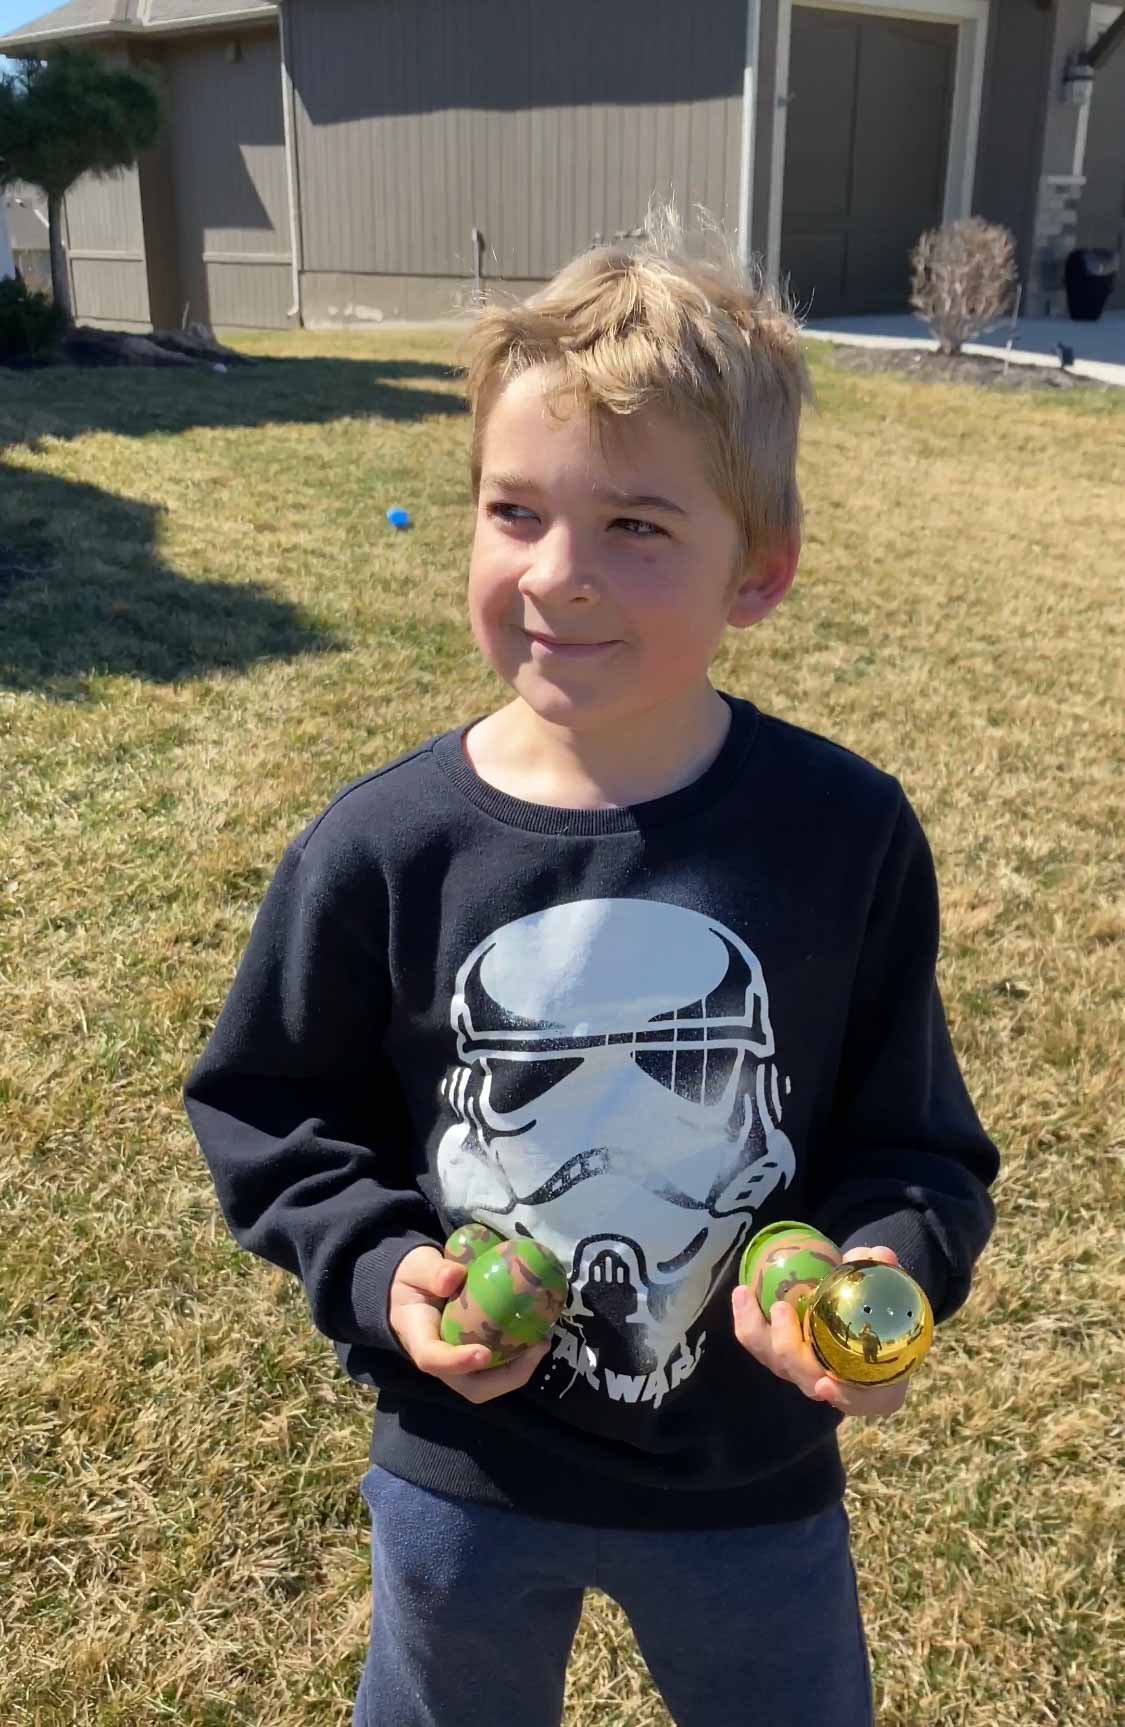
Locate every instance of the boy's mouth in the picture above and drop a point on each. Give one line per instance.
(551, 645)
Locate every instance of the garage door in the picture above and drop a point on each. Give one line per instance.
(867, 140)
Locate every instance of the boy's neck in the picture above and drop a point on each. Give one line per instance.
(645, 757)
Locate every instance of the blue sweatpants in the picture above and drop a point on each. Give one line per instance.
(474, 1610)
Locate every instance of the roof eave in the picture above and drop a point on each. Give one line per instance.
(18, 43)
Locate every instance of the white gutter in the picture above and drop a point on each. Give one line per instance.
(749, 117)
(291, 175)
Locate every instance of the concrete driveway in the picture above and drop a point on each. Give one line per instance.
(1098, 347)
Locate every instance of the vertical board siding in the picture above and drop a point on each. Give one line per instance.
(250, 296)
(110, 288)
(105, 214)
(231, 194)
(445, 114)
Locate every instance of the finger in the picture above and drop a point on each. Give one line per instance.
(750, 1324)
(419, 1329)
(498, 1381)
(425, 1271)
(792, 1356)
(885, 1255)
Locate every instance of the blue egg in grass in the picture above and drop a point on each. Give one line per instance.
(398, 517)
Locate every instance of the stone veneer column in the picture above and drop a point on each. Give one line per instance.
(1059, 188)
(1056, 223)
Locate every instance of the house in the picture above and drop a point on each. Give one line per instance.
(338, 162)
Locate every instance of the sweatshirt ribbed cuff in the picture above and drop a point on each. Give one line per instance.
(371, 1287)
(906, 1233)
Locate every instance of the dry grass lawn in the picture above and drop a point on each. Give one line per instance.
(206, 627)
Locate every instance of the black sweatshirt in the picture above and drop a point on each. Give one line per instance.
(636, 1035)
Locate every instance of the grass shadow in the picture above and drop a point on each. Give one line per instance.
(85, 594)
(134, 402)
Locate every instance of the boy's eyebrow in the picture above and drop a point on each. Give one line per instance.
(624, 500)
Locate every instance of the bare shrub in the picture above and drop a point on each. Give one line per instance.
(963, 279)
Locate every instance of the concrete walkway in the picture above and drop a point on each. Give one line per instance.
(1098, 347)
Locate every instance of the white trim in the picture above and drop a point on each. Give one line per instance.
(274, 258)
(749, 120)
(777, 138)
(1101, 17)
(971, 19)
(296, 240)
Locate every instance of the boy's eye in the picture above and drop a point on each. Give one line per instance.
(634, 521)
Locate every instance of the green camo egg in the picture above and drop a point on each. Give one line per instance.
(786, 1262)
(510, 1299)
(470, 1241)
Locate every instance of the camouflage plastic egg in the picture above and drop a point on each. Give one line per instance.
(512, 1295)
(470, 1241)
(869, 1323)
(791, 1260)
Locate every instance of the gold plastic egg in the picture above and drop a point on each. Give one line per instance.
(869, 1323)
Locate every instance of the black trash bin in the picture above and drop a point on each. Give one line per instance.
(1090, 274)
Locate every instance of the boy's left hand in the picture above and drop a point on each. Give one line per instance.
(779, 1344)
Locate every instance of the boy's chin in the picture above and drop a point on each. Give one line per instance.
(569, 705)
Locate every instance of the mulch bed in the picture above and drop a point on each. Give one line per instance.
(87, 346)
(931, 367)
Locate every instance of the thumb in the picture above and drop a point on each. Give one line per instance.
(426, 1270)
(885, 1255)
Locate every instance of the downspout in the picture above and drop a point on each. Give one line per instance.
(292, 178)
(7, 262)
(749, 119)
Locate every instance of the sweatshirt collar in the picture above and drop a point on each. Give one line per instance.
(676, 806)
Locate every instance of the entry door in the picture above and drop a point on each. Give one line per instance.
(866, 147)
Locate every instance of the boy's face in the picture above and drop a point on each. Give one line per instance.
(646, 588)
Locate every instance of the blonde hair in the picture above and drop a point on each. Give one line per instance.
(711, 341)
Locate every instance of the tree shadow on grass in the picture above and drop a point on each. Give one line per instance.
(135, 401)
(84, 593)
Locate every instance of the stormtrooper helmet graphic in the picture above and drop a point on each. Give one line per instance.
(617, 1099)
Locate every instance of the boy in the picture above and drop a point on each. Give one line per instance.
(633, 969)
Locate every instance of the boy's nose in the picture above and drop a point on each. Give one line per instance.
(558, 569)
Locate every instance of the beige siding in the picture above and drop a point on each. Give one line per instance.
(444, 115)
(110, 290)
(232, 208)
(105, 215)
(254, 296)
(105, 236)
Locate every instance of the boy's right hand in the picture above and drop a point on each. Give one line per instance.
(424, 1281)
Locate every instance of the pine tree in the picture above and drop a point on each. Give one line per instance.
(67, 116)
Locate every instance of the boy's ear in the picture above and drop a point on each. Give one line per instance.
(769, 579)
